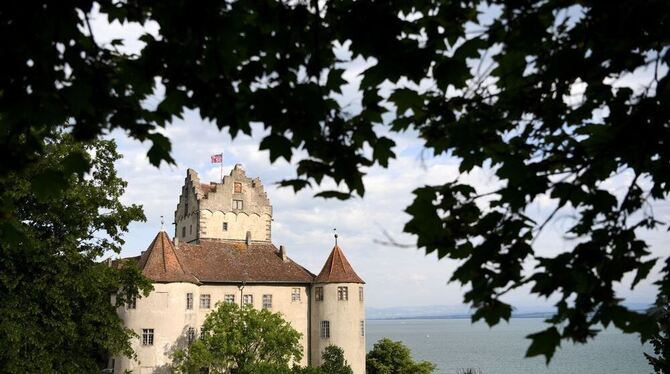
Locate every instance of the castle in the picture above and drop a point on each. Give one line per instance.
(222, 252)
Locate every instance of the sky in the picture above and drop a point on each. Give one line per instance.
(304, 224)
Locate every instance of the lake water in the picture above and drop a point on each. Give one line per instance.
(456, 343)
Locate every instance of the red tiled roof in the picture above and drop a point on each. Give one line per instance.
(217, 261)
(161, 262)
(234, 261)
(337, 269)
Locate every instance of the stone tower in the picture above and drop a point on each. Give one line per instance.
(338, 313)
(235, 209)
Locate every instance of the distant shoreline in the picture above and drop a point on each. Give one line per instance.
(468, 316)
(457, 316)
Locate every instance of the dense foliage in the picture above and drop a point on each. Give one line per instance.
(389, 357)
(333, 362)
(660, 360)
(57, 314)
(534, 91)
(241, 341)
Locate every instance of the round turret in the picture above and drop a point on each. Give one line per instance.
(338, 317)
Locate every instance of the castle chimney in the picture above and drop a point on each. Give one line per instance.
(282, 253)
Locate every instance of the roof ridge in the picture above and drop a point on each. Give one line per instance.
(340, 255)
(163, 251)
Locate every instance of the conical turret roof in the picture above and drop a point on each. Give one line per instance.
(160, 262)
(337, 269)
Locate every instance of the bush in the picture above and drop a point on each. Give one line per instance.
(389, 357)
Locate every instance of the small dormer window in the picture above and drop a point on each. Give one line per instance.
(238, 187)
(238, 204)
(225, 226)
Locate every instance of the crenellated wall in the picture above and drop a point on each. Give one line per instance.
(204, 208)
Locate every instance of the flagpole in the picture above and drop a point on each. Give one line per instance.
(222, 167)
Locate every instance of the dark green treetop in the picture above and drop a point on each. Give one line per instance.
(57, 310)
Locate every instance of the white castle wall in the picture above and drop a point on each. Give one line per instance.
(164, 310)
(345, 324)
(238, 223)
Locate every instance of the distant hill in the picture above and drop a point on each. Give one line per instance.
(463, 311)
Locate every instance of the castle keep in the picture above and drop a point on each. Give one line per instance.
(222, 252)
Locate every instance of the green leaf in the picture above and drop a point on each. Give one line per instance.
(643, 271)
(172, 103)
(405, 98)
(76, 162)
(49, 183)
(334, 194)
(450, 71)
(493, 311)
(278, 145)
(335, 80)
(160, 149)
(471, 48)
(297, 184)
(383, 150)
(544, 343)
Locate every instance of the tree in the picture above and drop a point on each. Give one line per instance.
(57, 314)
(333, 361)
(389, 357)
(661, 341)
(535, 91)
(241, 340)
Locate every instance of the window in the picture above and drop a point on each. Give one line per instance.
(267, 301)
(189, 301)
(343, 293)
(186, 205)
(190, 335)
(147, 336)
(205, 301)
(362, 328)
(229, 298)
(190, 229)
(318, 294)
(248, 300)
(325, 329)
(360, 293)
(132, 303)
(238, 204)
(238, 187)
(183, 232)
(295, 294)
(225, 226)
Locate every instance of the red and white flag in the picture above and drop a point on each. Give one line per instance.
(217, 159)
